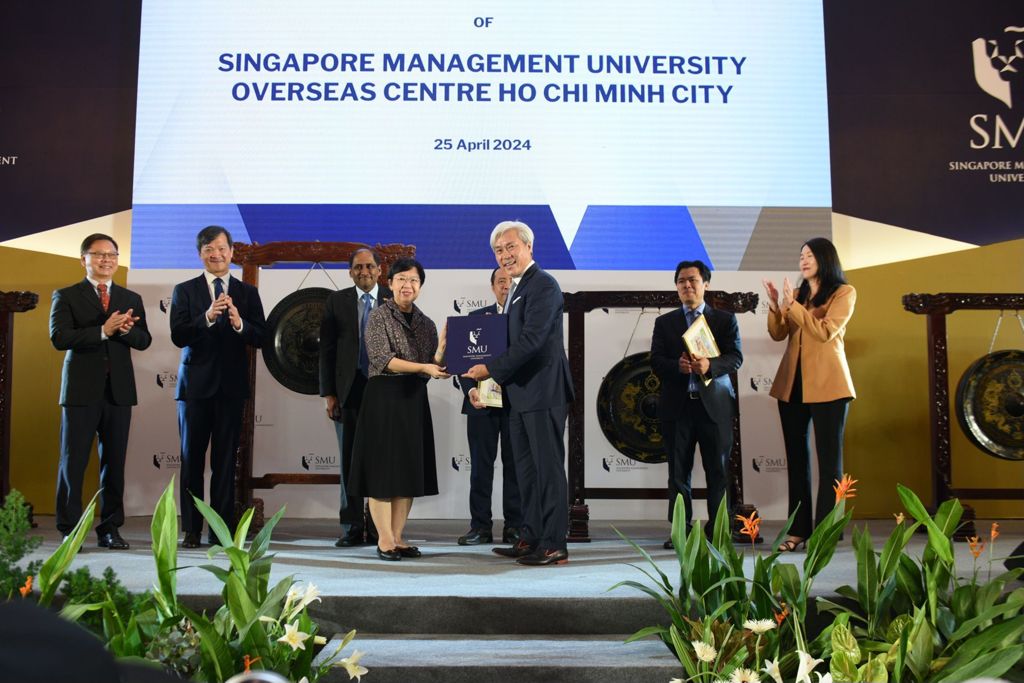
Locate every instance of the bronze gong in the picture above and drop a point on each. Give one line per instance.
(291, 348)
(990, 404)
(627, 409)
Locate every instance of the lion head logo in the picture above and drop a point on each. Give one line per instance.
(998, 63)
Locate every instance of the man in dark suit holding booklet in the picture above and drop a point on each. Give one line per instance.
(696, 405)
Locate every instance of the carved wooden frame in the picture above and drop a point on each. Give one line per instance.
(10, 303)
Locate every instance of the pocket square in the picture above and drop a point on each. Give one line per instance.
(516, 299)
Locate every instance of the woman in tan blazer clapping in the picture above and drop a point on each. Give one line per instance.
(813, 382)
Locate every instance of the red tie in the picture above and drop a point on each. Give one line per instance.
(104, 296)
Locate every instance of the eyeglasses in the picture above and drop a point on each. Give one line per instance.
(692, 281)
(414, 281)
(103, 255)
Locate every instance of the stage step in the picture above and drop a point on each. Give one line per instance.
(524, 659)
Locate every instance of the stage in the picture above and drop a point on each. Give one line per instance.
(462, 613)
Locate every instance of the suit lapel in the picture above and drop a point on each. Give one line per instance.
(89, 295)
(204, 291)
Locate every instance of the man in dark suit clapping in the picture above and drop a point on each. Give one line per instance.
(214, 317)
(98, 324)
(693, 413)
(343, 368)
(485, 427)
(534, 377)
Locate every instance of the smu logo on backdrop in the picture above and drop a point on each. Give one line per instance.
(999, 72)
(467, 304)
(312, 461)
(461, 462)
(621, 463)
(163, 459)
(167, 380)
(764, 465)
(165, 304)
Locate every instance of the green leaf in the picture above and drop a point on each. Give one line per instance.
(646, 632)
(164, 532)
(920, 646)
(874, 670)
(993, 665)
(844, 642)
(982, 644)
(52, 571)
(867, 573)
(215, 651)
(217, 524)
(843, 667)
(938, 541)
(262, 541)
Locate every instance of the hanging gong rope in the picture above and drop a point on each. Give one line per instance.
(627, 405)
(990, 400)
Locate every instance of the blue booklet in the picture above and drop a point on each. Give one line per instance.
(474, 339)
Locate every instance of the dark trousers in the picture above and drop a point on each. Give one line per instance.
(829, 424)
(215, 423)
(79, 425)
(350, 512)
(538, 447)
(484, 429)
(681, 437)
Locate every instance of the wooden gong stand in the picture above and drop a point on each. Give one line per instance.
(577, 304)
(252, 257)
(937, 307)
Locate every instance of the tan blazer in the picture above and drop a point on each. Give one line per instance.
(817, 335)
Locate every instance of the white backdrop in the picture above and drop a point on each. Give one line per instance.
(294, 435)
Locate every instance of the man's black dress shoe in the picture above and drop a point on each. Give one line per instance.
(409, 551)
(510, 535)
(350, 540)
(668, 545)
(476, 537)
(542, 557)
(393, 555)
(112, 541)
(520, 549)
(191, 540)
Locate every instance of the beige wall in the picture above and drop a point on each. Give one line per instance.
(35, 415)
(887, 437)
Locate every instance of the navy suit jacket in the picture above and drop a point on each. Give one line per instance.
(213, 357)
(339, 341)
(534, 371)
(667, 347)
(76, 316)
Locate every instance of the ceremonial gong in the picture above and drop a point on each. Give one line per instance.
(627, 409)
(990, 404)
(292, 347)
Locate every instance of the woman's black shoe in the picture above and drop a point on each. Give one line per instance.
(409, 551)
(393, 555)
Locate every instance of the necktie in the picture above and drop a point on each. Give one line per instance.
(364, 359)
(690, 317)
(508, 299)
(104, 296)
(218, 289)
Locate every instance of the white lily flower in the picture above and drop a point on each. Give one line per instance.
(827, 678)
(352, 666)
(772, 669)
(269, 620)
(676, 680)
(759, 626)
(304, 598)
(294, 637)
(744, 676)
(303, 680)
(807, 664)
(704, 652)
(319, 640)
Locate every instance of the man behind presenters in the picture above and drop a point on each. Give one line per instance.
(343, 370)
(214, 317)
(691, 412)
(485, 427)
(535, 380)
(98, 324)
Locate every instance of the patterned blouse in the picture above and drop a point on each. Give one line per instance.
(388, 335)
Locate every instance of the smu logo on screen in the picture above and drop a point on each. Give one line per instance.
(468, 304)
(167, 380)
(312, 461)
(171, 461)
(999, 72)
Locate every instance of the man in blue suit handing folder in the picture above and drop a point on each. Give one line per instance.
(535, 381)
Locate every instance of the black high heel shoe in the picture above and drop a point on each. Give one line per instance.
(792, 545)
(393, 555)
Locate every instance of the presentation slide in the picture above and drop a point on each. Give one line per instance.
(602, 125)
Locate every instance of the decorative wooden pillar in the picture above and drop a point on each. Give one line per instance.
(577, 304)
(10, 303)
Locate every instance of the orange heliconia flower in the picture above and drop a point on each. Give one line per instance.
(844, 489)
(994, 534)
(976, 545)
(27, 588)
(781, 616)
(249, 661)
(751, 525)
